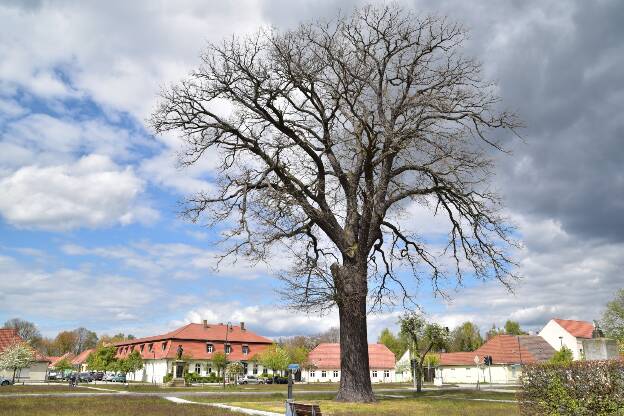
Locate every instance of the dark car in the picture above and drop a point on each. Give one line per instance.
(119, 378)
(268, 380)
(4, 381)
(99, 376)
(280, 380)
(85, 377)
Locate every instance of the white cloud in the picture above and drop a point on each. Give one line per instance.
(73, 295)
(93, 192)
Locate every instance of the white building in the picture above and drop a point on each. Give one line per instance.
(569, 333)
(508, 352)
(199, 342)
(326, 361)
(38, 368)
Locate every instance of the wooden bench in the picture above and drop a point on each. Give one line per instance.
(300, 409)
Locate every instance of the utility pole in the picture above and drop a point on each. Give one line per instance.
(225, 349)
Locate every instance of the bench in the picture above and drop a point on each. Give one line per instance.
(300, 409)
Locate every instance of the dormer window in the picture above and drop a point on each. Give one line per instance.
(245, 349)
(228, 348)
(150, 347)
(142, 347)
(209, 348)
(164, 345)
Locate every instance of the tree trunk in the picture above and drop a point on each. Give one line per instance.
(355, 382)
(419, 372)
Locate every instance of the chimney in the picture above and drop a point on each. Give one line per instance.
(205, 324)
(242, 326)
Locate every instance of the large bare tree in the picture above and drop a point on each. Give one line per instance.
(325, 134)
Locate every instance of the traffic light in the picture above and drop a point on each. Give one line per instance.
(487, 360)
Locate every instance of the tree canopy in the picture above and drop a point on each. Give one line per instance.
(465, 338)
(325, 134)
(16, 357)
(613, 319)
(396, 344)
(26, 330)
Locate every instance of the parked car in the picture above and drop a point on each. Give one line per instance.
(280, 380)
(108, 377)
(85, 377)
(99, 375)
(250, 380)
(268, 380)
(118, 378)
(52, 375)
(4, 381)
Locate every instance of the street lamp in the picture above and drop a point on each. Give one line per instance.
(561, 342)
(228, 328)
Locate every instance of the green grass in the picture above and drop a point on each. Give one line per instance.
(454, 403)
(44, 388)
(104, 406)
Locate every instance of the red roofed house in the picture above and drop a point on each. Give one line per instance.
(199, 342)
(580, 337)
(560, 332)
(326, 359)
(38, 369)
(80, 361)
(508, 352)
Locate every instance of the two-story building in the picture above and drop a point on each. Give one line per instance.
(199, 342)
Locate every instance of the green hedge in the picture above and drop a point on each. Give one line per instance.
(581, 388)
(195, 378)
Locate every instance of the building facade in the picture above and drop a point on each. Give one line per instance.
(325, 360)
(37, 370)
(508, 352)
(199, 342)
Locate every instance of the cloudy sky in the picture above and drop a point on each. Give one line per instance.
(89, 234)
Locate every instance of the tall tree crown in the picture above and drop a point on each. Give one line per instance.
(326, 133)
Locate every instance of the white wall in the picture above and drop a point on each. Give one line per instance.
(499, 374)
(551, 333)
(333, 376)
(36, 372)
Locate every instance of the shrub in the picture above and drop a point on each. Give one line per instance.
(167, 378)
(581, 388)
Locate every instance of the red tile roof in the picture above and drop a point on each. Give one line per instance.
(82, 357)
(504, 349)
(578, 329)
(327, 356)
(55, 359)
(193, 338)
(8, 337)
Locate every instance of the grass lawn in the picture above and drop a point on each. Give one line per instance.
(103, 406)
(44, 388)
(455, 403)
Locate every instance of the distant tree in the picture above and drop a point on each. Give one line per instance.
(465, 338)
(26, 330)
(219, 360)
(423, 338)
(331, 336)
(396, 344)
(493, 332)
(132, 363)
(102, 358)
(85, 339)
(16, 357)
(613, 319)
(63, 365)
(563, 356)
(335, 128)
(513, 328)
(233, 370)
(431, 360)
(274, 357)
(66, 342)
(296, 355)
(47, 346)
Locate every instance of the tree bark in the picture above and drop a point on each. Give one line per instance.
(419, 372)
(355, 381)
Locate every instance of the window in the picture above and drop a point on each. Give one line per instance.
(209, 370)
(164, 345)
(323, 374)
(374, 373)
(245, 368)
(255, 369)
(335, 373)
(142, 347)
(386, 373)
(312, 373)
(228, 348)
(265, 371)
(150, 347)
(209, 348)
(245, 349)
(198, 368)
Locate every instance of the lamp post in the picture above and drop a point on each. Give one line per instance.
(153, 365)
(560, 342)
(228, 327)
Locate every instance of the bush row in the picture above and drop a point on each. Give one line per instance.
(581, 388)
